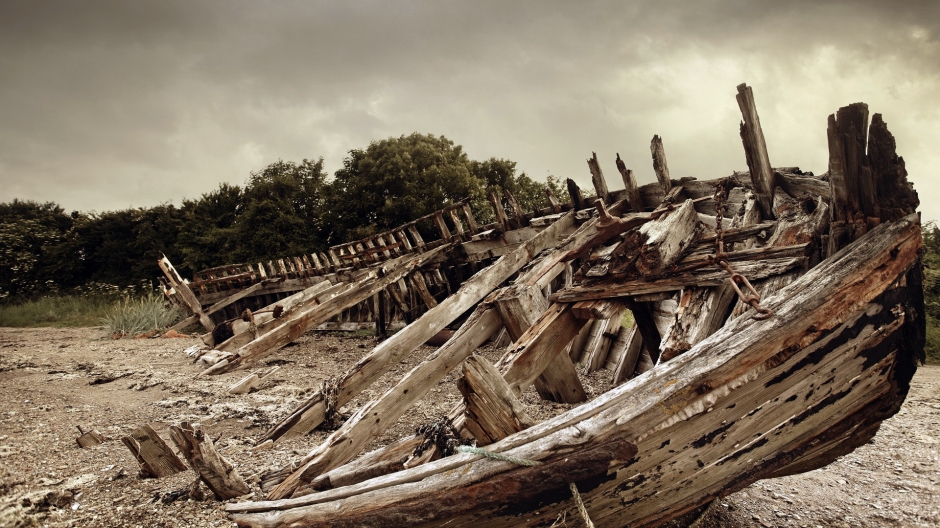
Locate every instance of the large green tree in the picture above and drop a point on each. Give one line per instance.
(396, 180)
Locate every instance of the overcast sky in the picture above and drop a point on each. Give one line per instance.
(109, 105)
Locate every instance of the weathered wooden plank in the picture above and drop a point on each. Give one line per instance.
(577, 199)
(251, 381)
(216, 472)
(595, 352)
(520, 306)
(666, 238)
(374, 417)
(629, 185)
(492, 411)
(517, 211)
(553, 201)
(659, 164)
(471, 220)
(597, 178)
(597, 309)
(187, 295)
(755, 150)
(500, 212)
(154, 456)
(699, 277)
(633, 345)
(701, 312)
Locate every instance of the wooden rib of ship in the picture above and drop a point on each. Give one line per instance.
(713, 390)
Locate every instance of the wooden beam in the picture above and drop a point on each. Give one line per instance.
(659, 164)
(184, 292)
(517, 211)
(595, 352)
(217, 473)
(520, 306)
(577, 200)
(629, 185)
(626, 365)
(154, 456)
(373, 418)
(755, 149)
(665, 239)
(500, 213)
(492, 411)
(597, 178)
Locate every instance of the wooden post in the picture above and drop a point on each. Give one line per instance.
(154, 456)
(500, 213)
(577, 200)
(516, 209)
(421, 286)
(629, 184)
(755, 149)
(216, 472)
(456, 221)
(553, 201)
(413, 231)
(184, 292)
(597, 177)
(626, 365)
(597, 348)
(520, 306)
(659, 164)
(492, 411)
(471, 221)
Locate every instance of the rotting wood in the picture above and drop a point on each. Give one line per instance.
(517, 211)
(629, 184)
(500, 213)
(492, 411)
(402, 343)
(597, 178)
(638, 406)
(755, 149)
(187, 295)
(292, 326)
(520, 306)
(633, 345)
(659, 164)
(88, 438)
(251, 381)
(217, 473)
(595, 352)
(666, 238)
(155, 457)
(577, 199)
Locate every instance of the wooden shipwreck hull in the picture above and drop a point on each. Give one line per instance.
(712, 389)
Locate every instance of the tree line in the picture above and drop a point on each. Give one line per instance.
(284, 209)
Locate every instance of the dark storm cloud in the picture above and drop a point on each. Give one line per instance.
(110, 105)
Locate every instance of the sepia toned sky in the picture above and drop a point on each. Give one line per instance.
(106, 105)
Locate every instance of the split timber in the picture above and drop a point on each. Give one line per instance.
(709, 397)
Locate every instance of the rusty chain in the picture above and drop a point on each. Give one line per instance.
(720, 259)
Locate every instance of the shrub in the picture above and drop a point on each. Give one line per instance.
(133, 316)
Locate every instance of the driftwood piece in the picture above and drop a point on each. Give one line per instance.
(88, 438)
(632, 192)
(156, 459)
(659, 164)
(492, 411)
(755, 149)
(251, 381)
(217, 473)
(666, 238)
(597, 178)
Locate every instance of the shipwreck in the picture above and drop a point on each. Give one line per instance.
(779, 318)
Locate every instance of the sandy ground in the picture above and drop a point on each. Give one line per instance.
(52, 380)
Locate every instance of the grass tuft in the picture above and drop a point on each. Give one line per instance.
(140, 315)
(57, 311)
